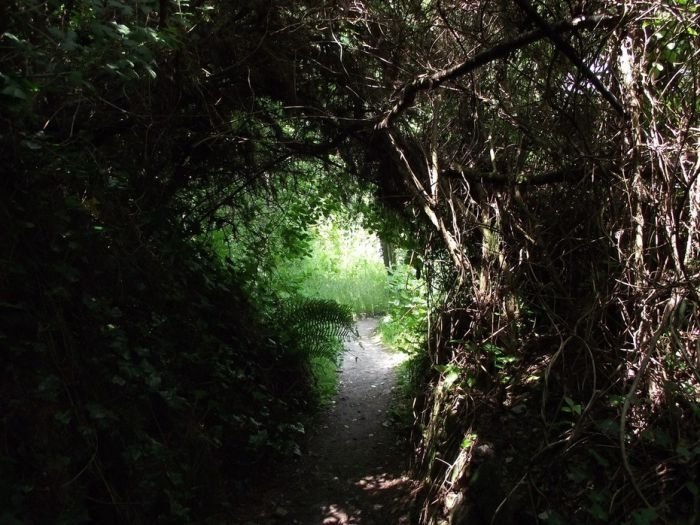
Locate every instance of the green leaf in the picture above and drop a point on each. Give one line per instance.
(13, 90)
(11, 37)
(571, 406)
(450, 378)
(30, 144)
(644, 516)
(468, 440)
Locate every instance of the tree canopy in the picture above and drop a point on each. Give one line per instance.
(540, 158)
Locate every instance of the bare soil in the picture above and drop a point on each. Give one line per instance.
(354, 471)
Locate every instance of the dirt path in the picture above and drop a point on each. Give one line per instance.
(353, 472)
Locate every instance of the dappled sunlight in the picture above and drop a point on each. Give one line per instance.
(382, 481)
(375, 499)
(387, 359)
(335, 515)
(353, 472)
(381, 359)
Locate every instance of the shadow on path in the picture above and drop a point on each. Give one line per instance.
(354, 471)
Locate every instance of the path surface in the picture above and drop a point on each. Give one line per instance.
(353, 472)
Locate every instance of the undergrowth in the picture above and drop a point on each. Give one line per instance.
(132, 384)
(404, 326)
(344, 264)
(324, 372)
(410, 388)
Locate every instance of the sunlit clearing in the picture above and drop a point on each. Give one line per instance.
(348, 244)
(344, 264)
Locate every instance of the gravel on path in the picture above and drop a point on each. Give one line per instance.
(354, 472)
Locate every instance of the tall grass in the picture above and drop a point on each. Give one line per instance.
(345, 265)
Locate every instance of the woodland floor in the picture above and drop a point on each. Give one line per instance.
(354, 469)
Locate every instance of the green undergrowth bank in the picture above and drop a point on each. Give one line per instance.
(139, 381)
(341, 265)
(403, 327)
(344, 264)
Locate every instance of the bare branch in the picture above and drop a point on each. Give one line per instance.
(500, 179)
(426, 82)
(571, 54)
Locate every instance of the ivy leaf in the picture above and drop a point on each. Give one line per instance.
(14, 91)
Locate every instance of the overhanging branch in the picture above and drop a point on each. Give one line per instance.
(501, 179)
(426, 82)
(570, 53)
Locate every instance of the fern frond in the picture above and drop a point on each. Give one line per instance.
(318, 326)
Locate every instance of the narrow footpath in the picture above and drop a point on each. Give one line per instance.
(354, 470)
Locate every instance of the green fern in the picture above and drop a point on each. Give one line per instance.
(318, 326)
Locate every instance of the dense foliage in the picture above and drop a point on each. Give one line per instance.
(538, 160)
(344, 264)
(146, 375)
